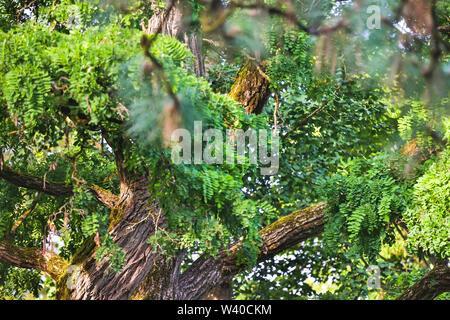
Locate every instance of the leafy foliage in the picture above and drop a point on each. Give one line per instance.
(428, 216)
(364, 199)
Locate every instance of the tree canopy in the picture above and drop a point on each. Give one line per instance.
(350, 96)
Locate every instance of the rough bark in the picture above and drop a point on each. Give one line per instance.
(32, 258)
(251, 88)
(223, 291)
(133, 220)
(162, 281)
(434, 283)
(166, 21)
(206, 273)
(131, 226)
(169, 22)
(194, 43)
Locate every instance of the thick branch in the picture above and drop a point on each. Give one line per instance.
(53, 188)
(206, 273)
(288, 231)
(434, 283)
(104, 196)
(35, 183)
(32, 258)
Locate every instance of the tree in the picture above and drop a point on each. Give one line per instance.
(91, 93)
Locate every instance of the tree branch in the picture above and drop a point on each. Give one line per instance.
(32, 258)
(35, 183)
(24, 216)
(53, 188)
(289, 15)
(434, 283)
(104, 196)
(206, 272)
(309, 116)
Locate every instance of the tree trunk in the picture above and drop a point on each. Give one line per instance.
(194, 43)
(133, 221)
(165, 21)
(169, 22)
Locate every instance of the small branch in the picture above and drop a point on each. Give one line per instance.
(302, 121)
(309, 116)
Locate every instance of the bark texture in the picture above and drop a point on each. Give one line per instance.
(169, 22)
(137, 221)
(194, 43)
(133, 220)
(434, 283)
(251, 88)
(223, 291)
(32, 258)
(206, 273)
(166, 21)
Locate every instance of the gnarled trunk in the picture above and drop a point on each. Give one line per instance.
(133, 220)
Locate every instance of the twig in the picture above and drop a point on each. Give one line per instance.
(323, 105)
(24, 216)
(277, 104)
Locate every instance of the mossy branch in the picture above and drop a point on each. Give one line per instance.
(207, 272)
(33, 258)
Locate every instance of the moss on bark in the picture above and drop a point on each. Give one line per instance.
(251, 88)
